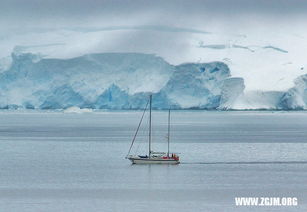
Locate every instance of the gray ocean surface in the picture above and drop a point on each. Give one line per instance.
(55, 161)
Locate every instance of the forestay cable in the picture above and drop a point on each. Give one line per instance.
(137, 130)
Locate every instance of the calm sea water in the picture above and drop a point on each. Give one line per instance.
(54, 161)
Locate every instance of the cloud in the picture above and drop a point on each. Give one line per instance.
(141, 27)
(193, 13)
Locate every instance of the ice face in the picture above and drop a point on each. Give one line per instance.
(296, 97)
(197, 85)
(232, 88)
(258, 100)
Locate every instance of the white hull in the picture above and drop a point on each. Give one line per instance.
(152, 161)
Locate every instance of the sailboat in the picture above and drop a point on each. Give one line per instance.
(153, 157)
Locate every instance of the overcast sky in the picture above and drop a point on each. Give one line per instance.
(193, 13)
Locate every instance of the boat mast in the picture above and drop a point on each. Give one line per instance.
(168, 131)
(149, 136)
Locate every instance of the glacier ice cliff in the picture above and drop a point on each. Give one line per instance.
(115, 81)
(124, 81)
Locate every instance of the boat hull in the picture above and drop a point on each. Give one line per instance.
(153, 161)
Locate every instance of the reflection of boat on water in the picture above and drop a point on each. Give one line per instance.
(153, 157)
